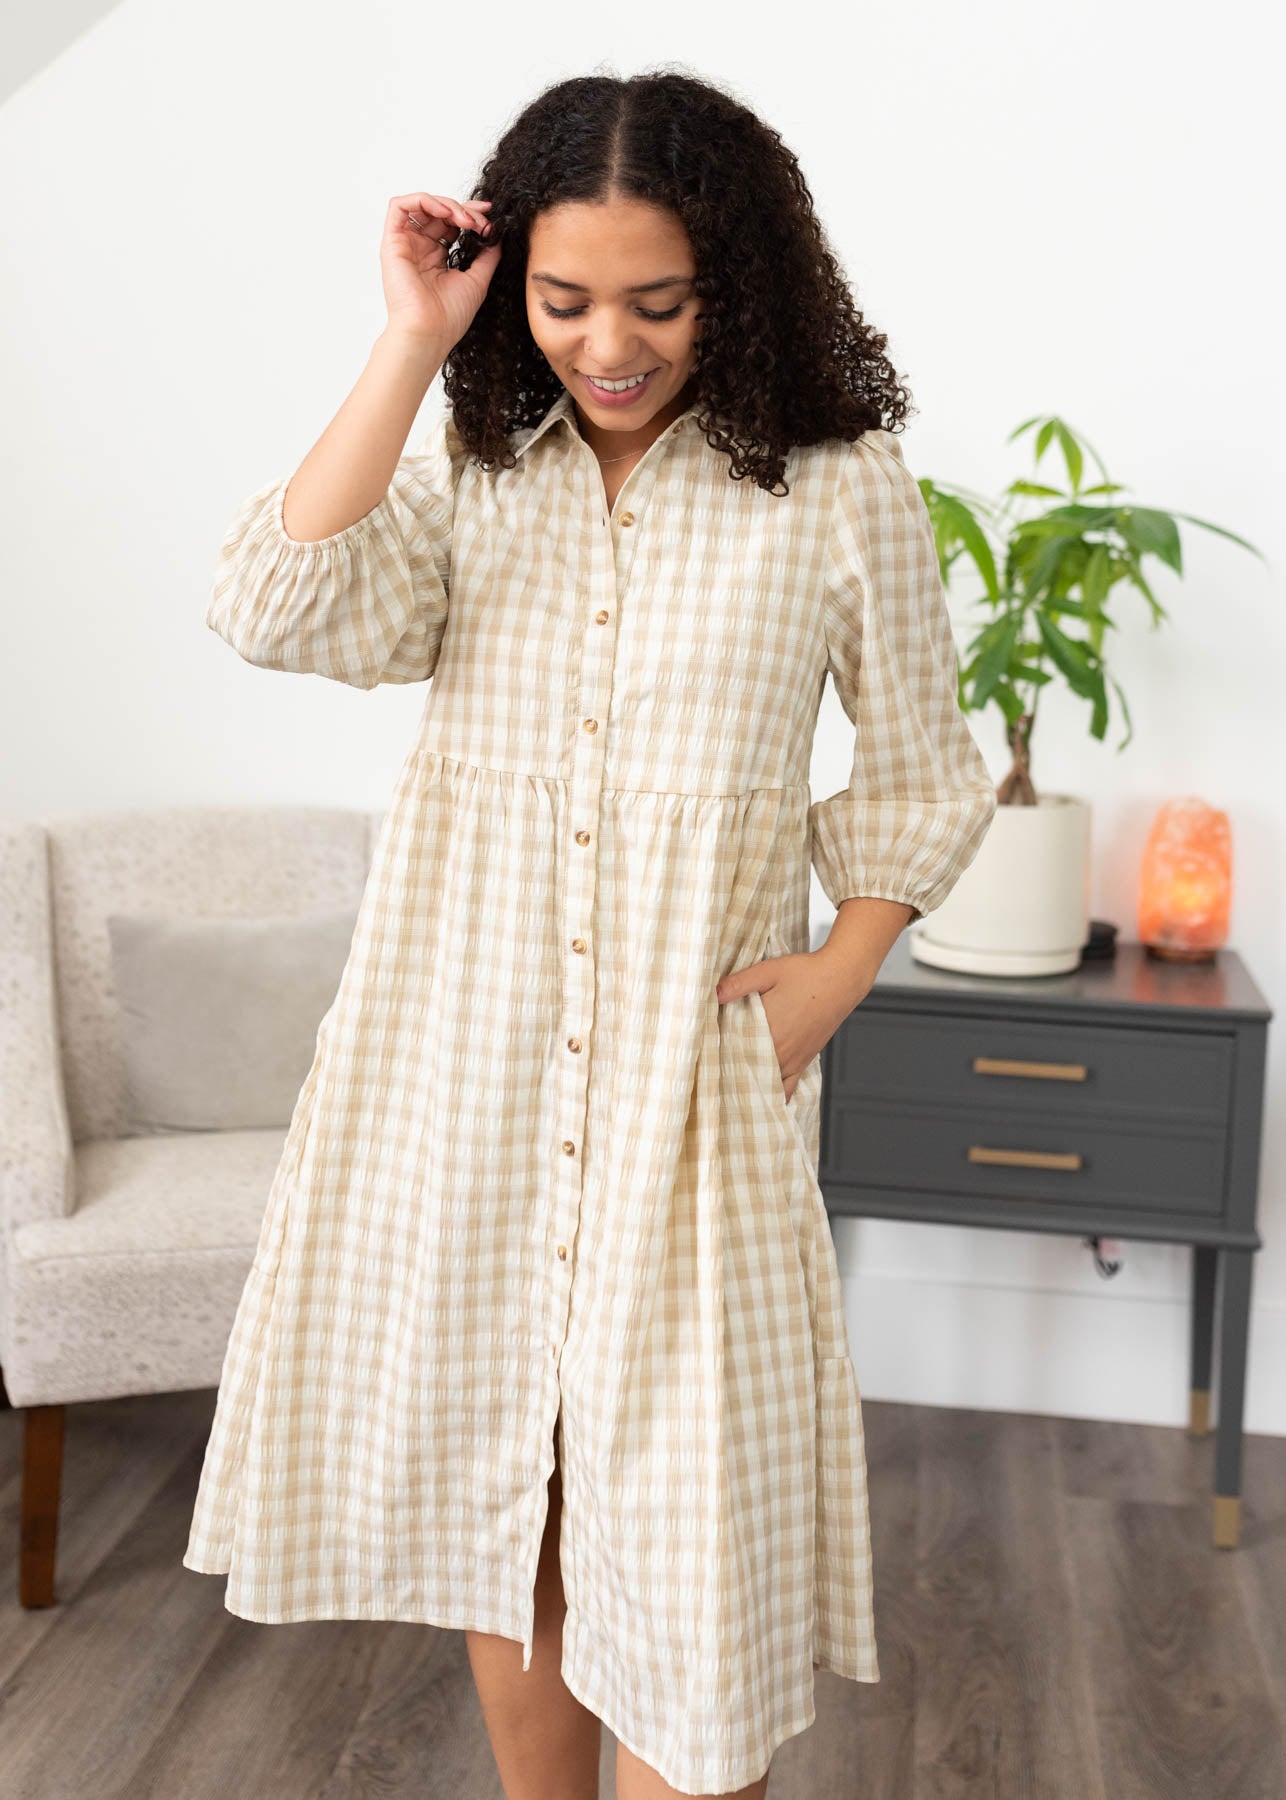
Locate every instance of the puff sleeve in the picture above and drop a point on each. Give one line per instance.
(920, 799)
(366, 605)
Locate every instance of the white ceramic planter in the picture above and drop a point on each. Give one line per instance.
(1022, 905)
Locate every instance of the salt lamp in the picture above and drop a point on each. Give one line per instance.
(1185, 884)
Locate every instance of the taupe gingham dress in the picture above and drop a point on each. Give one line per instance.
(535, 1163)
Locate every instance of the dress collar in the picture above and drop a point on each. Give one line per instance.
(563, 408)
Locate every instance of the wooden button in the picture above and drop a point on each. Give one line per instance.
(582, 837)
(562, 1251)
(627, 518)
(569, 1149)
(573, 1043)
(578, 945)
(591, 725)
(600, 617)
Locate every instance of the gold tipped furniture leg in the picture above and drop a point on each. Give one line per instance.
(1227, 1521)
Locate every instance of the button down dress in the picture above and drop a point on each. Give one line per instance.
(537, 1176)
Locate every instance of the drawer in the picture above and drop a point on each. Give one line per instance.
(1073, 1071)
(997, 1155)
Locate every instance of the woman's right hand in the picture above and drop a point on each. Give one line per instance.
(425, 298)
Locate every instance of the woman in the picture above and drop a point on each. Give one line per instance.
(544, 1336)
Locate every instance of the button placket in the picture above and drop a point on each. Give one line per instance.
(609, 566)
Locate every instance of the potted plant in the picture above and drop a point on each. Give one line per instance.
(1022, 906)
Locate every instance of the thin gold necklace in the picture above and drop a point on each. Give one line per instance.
(628, 453)
(611, 459)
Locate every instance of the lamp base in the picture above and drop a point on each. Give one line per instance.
(1162, 953)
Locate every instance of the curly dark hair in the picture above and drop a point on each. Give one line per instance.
(785, 357)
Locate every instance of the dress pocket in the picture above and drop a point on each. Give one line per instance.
(810, 1075)
(802, 1104)
(799, 1119)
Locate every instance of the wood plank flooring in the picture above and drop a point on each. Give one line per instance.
(1053, 1624)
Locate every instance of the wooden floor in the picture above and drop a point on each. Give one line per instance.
(1052, 1618)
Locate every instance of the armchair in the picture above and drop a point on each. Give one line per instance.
(122, 1258)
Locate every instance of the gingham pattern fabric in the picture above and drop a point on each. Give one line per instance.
(538, 1178)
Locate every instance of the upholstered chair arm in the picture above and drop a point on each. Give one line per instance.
(37, 1165)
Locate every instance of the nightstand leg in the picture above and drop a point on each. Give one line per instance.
(1227, 1521)
(1234, 1328)
(1205, 1263)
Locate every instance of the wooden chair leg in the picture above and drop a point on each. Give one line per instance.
(42, 1470)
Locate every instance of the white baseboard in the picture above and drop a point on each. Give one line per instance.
(1021, 1322)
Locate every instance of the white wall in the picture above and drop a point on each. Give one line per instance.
(1045, 211)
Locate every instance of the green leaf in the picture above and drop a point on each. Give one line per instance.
(1026, 425)
(1044, 567)
(979, 502)
(1071, 456)
(994, 663)
(1098, 717)
(1148, 530)
(1135, 574)
(1068, 521)
(1010, 704)
(956, 524)
(1097, 578)
(1129, 724)
(1070, 657)
(1231, 535)
(1025, 665)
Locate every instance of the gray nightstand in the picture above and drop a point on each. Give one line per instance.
(1124, 1099)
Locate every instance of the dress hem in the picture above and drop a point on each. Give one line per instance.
(443, 1617)
(720, 1771)
(742, 1773)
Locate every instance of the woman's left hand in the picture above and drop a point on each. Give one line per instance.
(807, 995)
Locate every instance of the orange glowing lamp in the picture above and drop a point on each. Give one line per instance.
(1185, 885)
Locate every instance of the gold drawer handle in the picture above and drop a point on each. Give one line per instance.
(1027, 1159)
(1003, 1065)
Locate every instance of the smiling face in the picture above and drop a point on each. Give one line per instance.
(610, 296)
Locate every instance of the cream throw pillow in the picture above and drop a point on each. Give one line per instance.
(219, 1017)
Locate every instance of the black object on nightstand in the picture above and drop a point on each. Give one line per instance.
(1123, 1099)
